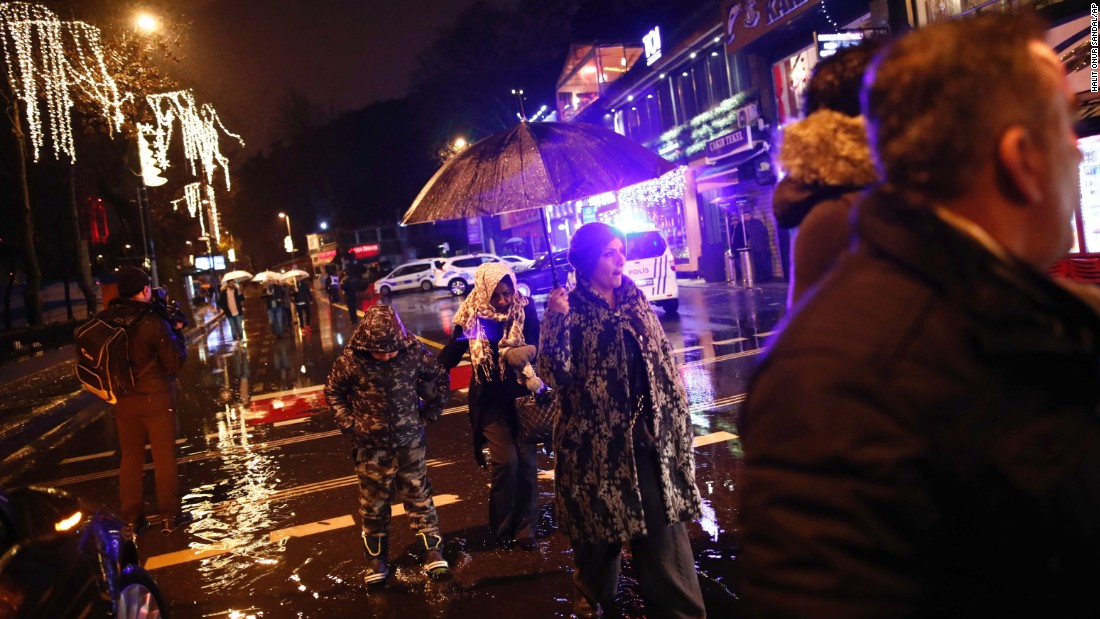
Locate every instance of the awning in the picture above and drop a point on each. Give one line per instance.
(717, 177)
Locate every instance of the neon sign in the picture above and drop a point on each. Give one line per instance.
(652, 43)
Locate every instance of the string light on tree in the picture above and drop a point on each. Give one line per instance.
(668, 186)
(200, 129)
(46, 59)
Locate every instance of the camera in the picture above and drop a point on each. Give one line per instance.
(168, 307)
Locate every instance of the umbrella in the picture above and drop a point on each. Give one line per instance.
(534, 165)
(293, 273)
(265, 276)
(235, 275)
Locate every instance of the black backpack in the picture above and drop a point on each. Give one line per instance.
(103, 358)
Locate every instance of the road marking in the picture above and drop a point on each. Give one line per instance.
(687, 349)
(323, 526)
(298, 391)
(102, 454)
(290, 422)
(313, 528)
(712, 438)
(732, 341)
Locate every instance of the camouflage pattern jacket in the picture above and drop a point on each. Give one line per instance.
(379, 402)
(584, 354)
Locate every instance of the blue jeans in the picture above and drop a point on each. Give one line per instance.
(235, 326)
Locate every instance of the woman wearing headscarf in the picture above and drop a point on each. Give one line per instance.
(500, 329)
(624, 468)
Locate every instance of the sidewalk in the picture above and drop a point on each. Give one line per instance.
(42, 403)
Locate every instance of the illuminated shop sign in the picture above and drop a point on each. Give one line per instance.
(365, 251)
(652, 43)
(829, 42)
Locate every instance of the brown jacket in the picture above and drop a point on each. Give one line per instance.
(157, 351)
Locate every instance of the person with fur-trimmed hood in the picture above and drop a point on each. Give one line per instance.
(500, 329)
(382, 390)
(828, 165)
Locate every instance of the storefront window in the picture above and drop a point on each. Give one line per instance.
(667, 103)
(686, 87)
(1090, 192)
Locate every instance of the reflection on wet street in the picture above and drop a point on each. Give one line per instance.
(271, 485)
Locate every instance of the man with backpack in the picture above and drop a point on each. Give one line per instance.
(157, 351)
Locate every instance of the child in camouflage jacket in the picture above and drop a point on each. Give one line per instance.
(382, 390)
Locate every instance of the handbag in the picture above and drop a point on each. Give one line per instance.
(535, 416)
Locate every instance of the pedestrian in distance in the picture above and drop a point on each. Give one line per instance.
(383, 389)
(350, 286)
(275, 298)
(500, 329)
(828, 165)
(303, 298)
(231, 303)
(922, 438)
(157, 351)
(625, 470)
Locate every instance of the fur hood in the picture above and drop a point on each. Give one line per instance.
(828, 148)
(825, 156)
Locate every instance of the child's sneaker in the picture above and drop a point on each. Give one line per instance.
(434, 563)
(376, 549)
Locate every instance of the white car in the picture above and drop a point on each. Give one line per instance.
(413, 274)
(649, 264)
(457, 272)
(518, 263)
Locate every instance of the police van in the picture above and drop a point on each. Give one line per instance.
(649, 264)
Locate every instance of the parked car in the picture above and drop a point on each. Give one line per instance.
(649, 264)
(60, 558)
(457, 272)
(537, 280)
(411, 275)
(518, 263)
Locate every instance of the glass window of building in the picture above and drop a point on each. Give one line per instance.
(666, 102)
(685, 87)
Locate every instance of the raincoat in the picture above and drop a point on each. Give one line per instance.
(828, 164)
(378, 402)
(584, 354)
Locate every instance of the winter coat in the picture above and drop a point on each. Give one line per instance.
(490, 389)
(157, 351)
(223, 300)
(584, 354)
(922, 438)
(275, 296)
(828, 164)
(378, 402)
(302, 293)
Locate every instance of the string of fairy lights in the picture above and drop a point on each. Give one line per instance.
(48, 59)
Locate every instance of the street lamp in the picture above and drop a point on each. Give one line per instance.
(146, 23)
(289, 237)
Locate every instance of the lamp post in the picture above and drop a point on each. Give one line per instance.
(290, 238)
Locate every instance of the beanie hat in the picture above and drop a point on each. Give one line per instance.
(131, 280)
(588, 243)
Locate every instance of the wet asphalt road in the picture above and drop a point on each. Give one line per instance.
(271, 484)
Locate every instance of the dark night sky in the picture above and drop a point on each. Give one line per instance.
(244, 56)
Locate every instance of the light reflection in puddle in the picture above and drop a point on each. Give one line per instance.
(244, 515)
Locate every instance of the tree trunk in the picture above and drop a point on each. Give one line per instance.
(32, 291)
(83, 261)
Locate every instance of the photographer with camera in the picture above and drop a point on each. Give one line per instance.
(157, 351)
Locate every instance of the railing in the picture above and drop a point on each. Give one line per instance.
(27, 341)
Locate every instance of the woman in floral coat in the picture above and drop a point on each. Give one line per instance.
(625, 470)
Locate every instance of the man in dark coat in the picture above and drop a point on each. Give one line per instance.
(157, 352)
(922, 439)
(231, 303)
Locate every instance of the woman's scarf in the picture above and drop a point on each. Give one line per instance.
(476, 306)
